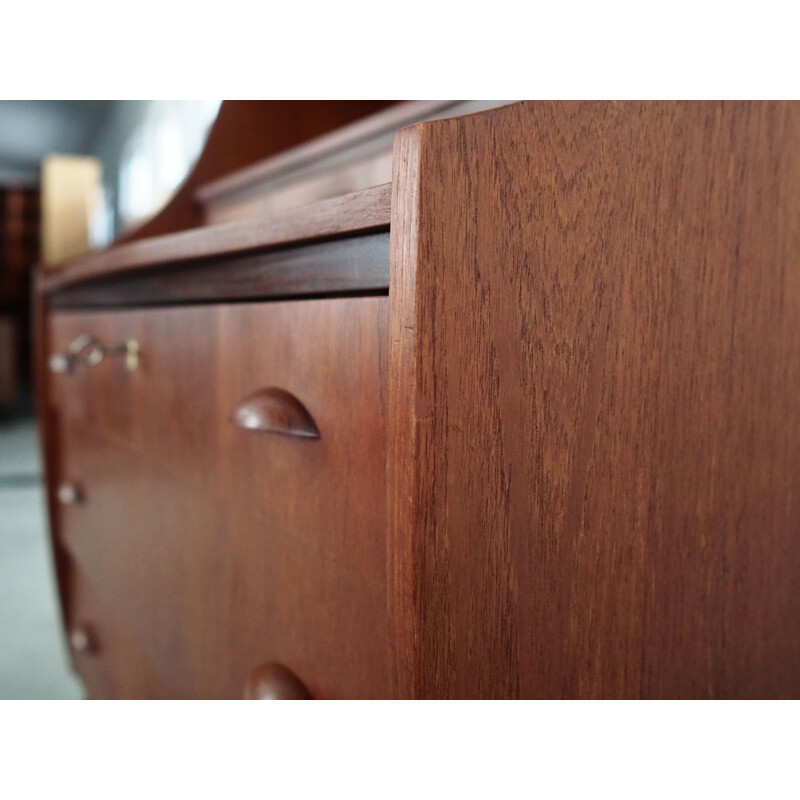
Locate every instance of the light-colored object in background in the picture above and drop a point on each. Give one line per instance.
(158, 155)
(70, 190)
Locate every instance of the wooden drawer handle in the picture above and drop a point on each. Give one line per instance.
(69, 494)
(88, 351)
(82, 639)
(275, 411)
(275, 682)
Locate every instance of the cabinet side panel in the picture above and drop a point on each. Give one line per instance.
(595, 372)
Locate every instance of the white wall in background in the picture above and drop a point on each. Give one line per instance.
(147, 148)
(159, 154)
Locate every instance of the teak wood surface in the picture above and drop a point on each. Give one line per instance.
(560, 460)
(245, 133)
(594, 437)
(349, 265)
(367, 210)
(346, 144)
(211, 549)
(349, 159)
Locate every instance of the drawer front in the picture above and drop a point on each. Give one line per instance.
(197, 365)
(105, 655)
(223, 531)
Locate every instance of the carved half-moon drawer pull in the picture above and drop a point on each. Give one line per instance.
(88, 351)
(275, 411)
(275, 682)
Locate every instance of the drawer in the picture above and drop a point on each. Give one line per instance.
(107, 659)
(197, 365)
(220, 547)
(210, 592)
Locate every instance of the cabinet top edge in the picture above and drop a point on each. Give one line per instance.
(366, 210)
(350, 136)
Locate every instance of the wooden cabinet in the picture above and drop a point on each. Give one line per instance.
(19, 249)
(522, 423)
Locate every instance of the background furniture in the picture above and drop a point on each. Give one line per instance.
(19, 250)
(71, 187)
(521, 423)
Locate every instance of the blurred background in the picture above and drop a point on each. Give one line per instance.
(74, 175)
(77, 176)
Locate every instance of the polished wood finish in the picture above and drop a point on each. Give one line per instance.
(274, 410)
(110, 664)
(559, 459)
(346, 160)
(243, 548)
(594, 441)
(363, 211)
(335, 266)
(349, 139)
(245, 132)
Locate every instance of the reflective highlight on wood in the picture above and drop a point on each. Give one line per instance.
(275, 411)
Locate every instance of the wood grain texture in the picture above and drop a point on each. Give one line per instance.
(594, 446)
(291, 191)
(245, 132)
(404, 442)
(112, 667)
(361, 211)
(196, 365)
(339, 266)
(298, 159)
(207, 590)
(346, 160)
(219, 549)
(331, 355)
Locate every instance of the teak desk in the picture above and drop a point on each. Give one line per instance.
(522, 423)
